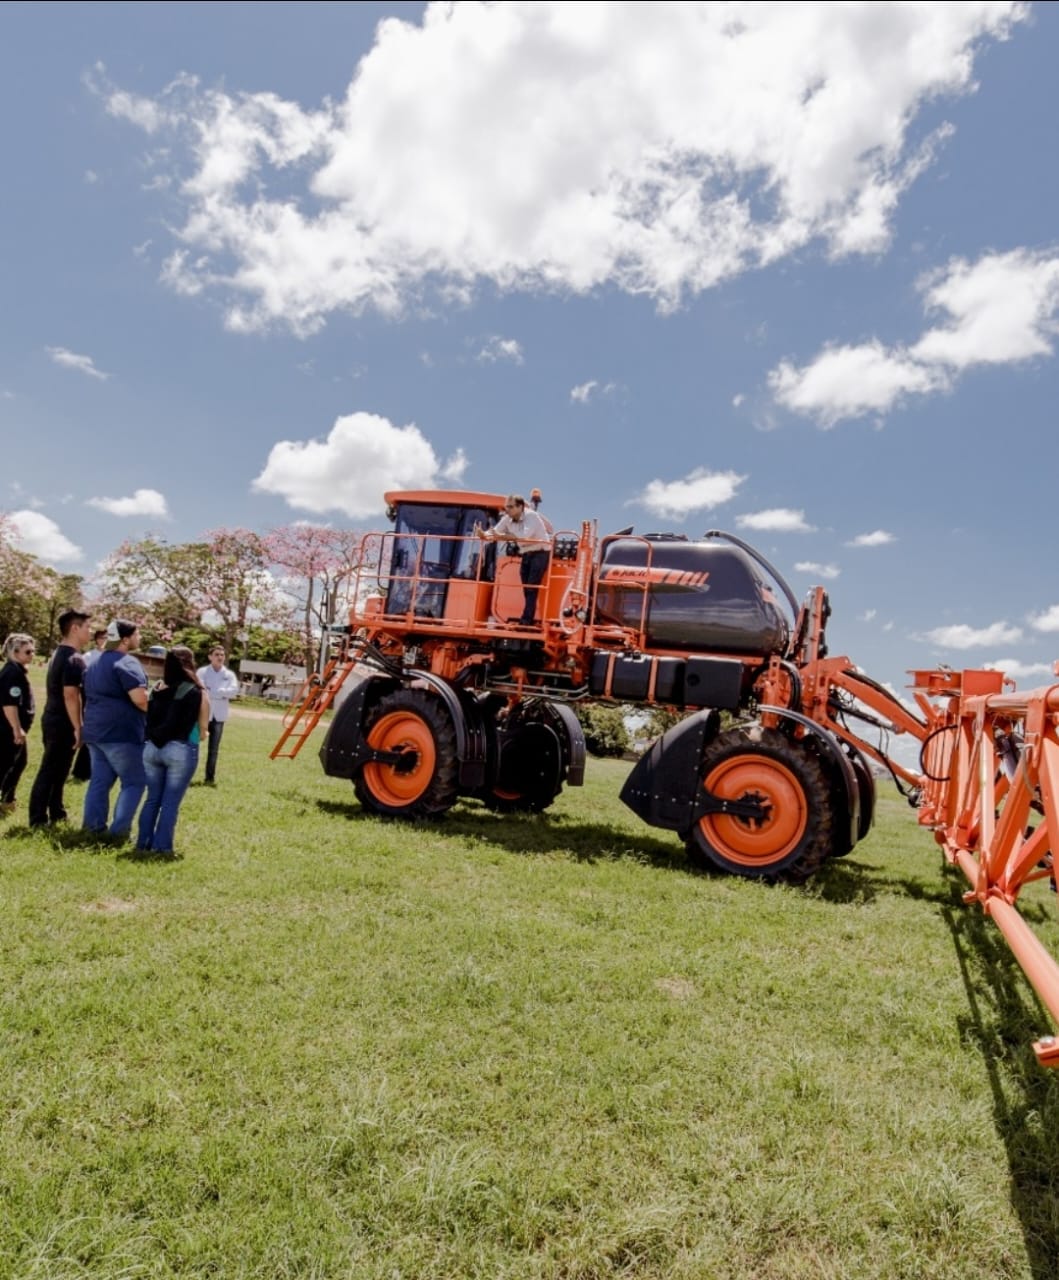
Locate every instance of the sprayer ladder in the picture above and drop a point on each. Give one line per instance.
(310, 703)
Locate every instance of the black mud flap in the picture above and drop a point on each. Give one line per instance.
(863, 814)
(575, 744)
(664, 786)
(865, 790)
(343, 751)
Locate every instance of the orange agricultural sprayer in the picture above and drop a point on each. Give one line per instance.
(440, 696)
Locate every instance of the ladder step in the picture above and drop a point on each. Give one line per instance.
(312, 700)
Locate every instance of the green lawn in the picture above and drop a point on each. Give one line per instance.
(319, 1045)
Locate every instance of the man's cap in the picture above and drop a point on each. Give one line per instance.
(119, 629)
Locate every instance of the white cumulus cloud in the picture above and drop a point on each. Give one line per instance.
(362, 456)
(998, 310)
(962, 636)
(700, 490)
(1046, 621)
(497, 348)
(40, 536)
(81, 364)
(878, 538)
(1018, 670)
(144, 502)
(539, 144)
(819, 570)
(592, 390)
(775, 520)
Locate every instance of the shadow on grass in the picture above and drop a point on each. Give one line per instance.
(66, 837)
(1003, 1017)
(844, 880)
(542, 833)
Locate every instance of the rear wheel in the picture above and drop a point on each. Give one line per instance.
(422, 782)
(530, 762)
(792, 836)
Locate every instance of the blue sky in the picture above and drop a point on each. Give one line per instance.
(791, 271)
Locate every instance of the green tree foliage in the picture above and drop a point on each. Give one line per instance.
(262, 644)
(604, 728)
(659, 719)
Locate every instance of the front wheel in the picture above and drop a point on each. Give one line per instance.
(422, 782)
(792, 835)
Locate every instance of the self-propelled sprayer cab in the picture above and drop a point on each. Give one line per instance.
(433, 546)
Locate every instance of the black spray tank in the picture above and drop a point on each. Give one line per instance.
(699, 597)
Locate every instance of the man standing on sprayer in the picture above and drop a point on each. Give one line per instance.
(222, 685)
(528, 530)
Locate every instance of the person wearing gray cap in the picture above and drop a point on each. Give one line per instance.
(114, 729)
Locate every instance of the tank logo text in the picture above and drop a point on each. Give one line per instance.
(671, 577)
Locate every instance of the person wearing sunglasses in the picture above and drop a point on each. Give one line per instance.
(17, 705)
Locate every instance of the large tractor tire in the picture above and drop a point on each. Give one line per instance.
(423, 784)
(793, 837)
(531, 756)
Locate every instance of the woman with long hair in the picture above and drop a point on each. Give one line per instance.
(177, 714)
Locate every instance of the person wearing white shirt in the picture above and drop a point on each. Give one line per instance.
(222, 685)
(526, 528)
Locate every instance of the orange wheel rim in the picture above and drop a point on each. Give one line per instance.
(502, 794)
(747, 841)
(401, 731)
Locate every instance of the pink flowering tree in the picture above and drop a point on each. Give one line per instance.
(317, 566)
(32, 595)
(219, 584)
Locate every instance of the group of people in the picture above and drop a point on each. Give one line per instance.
(146, 740)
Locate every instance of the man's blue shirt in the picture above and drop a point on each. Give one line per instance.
(110, 715)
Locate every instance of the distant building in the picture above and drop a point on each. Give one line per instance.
(277, 680)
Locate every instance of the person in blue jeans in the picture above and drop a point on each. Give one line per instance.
(177, 714)
(113, 728)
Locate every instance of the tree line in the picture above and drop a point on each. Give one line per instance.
(264, 596)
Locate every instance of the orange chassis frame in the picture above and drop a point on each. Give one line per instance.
(989, 786)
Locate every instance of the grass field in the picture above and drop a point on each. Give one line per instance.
(319, 1045)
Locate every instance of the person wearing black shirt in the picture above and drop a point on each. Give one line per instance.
(61, 720)
(16, 714)
(177, 714)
